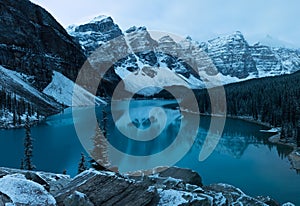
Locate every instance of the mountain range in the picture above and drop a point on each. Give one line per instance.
(166, 62)
(40, 59)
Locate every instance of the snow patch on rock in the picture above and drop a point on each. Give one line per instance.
(62, 90)
(25, 192)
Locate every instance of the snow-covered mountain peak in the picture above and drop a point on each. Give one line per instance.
(234, 38)
(136, 29)
(98, 24)
(100, 18)
(229, 58)
(72, 29)
(166, 39)
(274, 42)
(93, 34)
(139, 39)
(236, 35)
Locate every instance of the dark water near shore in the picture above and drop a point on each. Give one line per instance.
(243, 156)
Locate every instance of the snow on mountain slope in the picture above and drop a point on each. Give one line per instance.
(62, 89)
(149, 80)
(14, 82)
(8, 76)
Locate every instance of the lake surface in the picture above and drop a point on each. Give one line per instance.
(243, 156)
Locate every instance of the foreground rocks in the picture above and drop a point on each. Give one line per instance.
(106, 188)
(160, 186)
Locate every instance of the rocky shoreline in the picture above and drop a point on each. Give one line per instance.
(160, 186)
(294, 156)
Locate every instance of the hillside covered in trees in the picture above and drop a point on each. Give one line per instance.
(13, 110)
(273, 100)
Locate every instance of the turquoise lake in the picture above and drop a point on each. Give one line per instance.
(243, 156)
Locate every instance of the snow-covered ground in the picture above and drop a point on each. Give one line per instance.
(14, 81)
(25, 192)
(6, 119)
(18, 84)
(149, 81)
(62, 90)
(272, 130)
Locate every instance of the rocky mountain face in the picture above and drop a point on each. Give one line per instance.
(161, 186)
(33, 43)
(92, 35)
(231, 55)
(229, 58)
(39, 60)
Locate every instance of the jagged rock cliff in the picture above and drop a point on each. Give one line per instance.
(92, 35)
(39, 60)
(33, 43)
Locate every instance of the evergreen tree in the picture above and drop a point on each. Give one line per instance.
(298, 138)
(19, 119)
(297, 132)
(82, 164)
(99, 153)
(22, 164)
(28, 147)
(15, 117)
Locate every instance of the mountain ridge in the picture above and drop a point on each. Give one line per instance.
(228, 58)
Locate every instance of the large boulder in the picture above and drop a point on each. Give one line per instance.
(51, 182)
(161, 186)
(107, 188)
(77, 199)
(4, 199)
(24, 192)
(185, 175)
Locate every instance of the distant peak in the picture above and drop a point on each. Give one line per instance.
(100, 18)
(134, 28)
(166, 38)
(236, 35)
(275, 42)
(96, 20)
(189, 38)
(269, 36)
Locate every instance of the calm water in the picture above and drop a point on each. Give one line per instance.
(243, 156)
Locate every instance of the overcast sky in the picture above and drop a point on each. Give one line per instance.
(200, 19)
